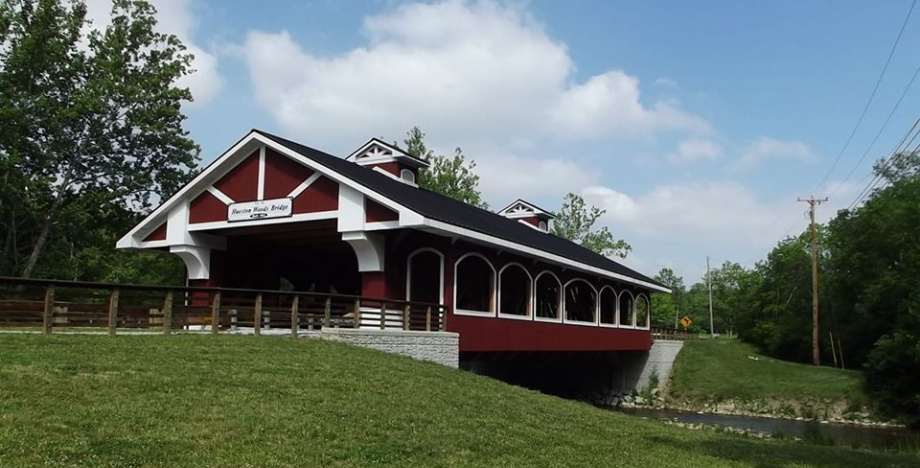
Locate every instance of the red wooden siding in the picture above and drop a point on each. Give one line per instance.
(375, 212)
(282, 175)
(322, 195)
(158, 234)
(207, 208)
(492, 334)
(242, 182)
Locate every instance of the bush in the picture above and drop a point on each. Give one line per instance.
(893, 375)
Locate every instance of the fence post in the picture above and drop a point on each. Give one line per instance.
(257, 316)
(356, 314)
(383, 315)
(215, 313)
(167, 313)
(428, 319)
(295, 317)
(406, 318)
(327, 312)
(113, 311)
(48, 316)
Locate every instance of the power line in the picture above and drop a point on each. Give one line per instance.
(889, 161)
(877, 134)
(859, 121)
(870, 189)
(871, 96)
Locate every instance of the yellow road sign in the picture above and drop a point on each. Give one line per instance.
(686, 321)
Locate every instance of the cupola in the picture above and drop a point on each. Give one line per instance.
(388, 159)
(529, 214)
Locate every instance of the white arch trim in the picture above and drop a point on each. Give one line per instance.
(633, 311)
(565, 298)
(616, 301)
(559, 308)
(492, 305)
(530, 299)
(409, 272)
(648, 311)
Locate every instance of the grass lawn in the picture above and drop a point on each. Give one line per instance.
(722, 369)
(235, 401)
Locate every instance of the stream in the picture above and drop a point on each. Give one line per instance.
(840, 434)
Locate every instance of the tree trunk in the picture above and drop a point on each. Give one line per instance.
(43, 235)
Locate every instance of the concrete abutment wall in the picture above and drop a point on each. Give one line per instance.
(440, 347)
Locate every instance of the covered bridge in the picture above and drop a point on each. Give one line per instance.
(270, 213)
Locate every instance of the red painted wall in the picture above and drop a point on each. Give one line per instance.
(158, 234)
(282, 175)
(206, 208)
(322, 195)
(242, 182)
(491, 334)
(374, 212)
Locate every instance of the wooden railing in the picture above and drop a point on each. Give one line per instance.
(662, 333)
(81, 306)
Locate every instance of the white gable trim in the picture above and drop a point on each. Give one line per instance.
(529, 210)
(227, 161)
(220, 195)
(396, 155)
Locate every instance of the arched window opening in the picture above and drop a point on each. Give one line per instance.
(425, 277)
(626, 309)
(608, 302)
(580, 301)
(474, 284)
(548, 296)
(643, 311)
(407, 175)
(514, 291)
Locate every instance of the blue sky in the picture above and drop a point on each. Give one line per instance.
(695, 124)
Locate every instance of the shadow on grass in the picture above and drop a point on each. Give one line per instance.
(762, 454)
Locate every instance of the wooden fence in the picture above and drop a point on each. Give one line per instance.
(81, 306)
(661, 333)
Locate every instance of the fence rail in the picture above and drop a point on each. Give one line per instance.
(84, 306)
(662, 333)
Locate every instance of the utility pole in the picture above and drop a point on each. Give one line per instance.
(812, 203)
(712, 330)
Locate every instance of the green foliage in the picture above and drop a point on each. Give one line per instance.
(667, 307)
(575, 222)
(893, 374)
(85, 112)
(186, 401)
(450, 176)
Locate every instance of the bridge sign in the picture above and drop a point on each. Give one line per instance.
(686, 321)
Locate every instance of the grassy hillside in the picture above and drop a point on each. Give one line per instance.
(714, 370)
(244, 401)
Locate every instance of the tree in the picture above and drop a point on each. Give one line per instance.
(96, 111)
(665, 307)
(450, 176)
(575, 222)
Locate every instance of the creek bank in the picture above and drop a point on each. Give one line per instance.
(822, 411)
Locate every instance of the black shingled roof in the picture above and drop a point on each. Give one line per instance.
(439, 207)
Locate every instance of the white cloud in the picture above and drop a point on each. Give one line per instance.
(506, 177)
(765, 148)
(695, 149)
(473, 70)
(704, 211)
(175, 17)
(665, 82)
